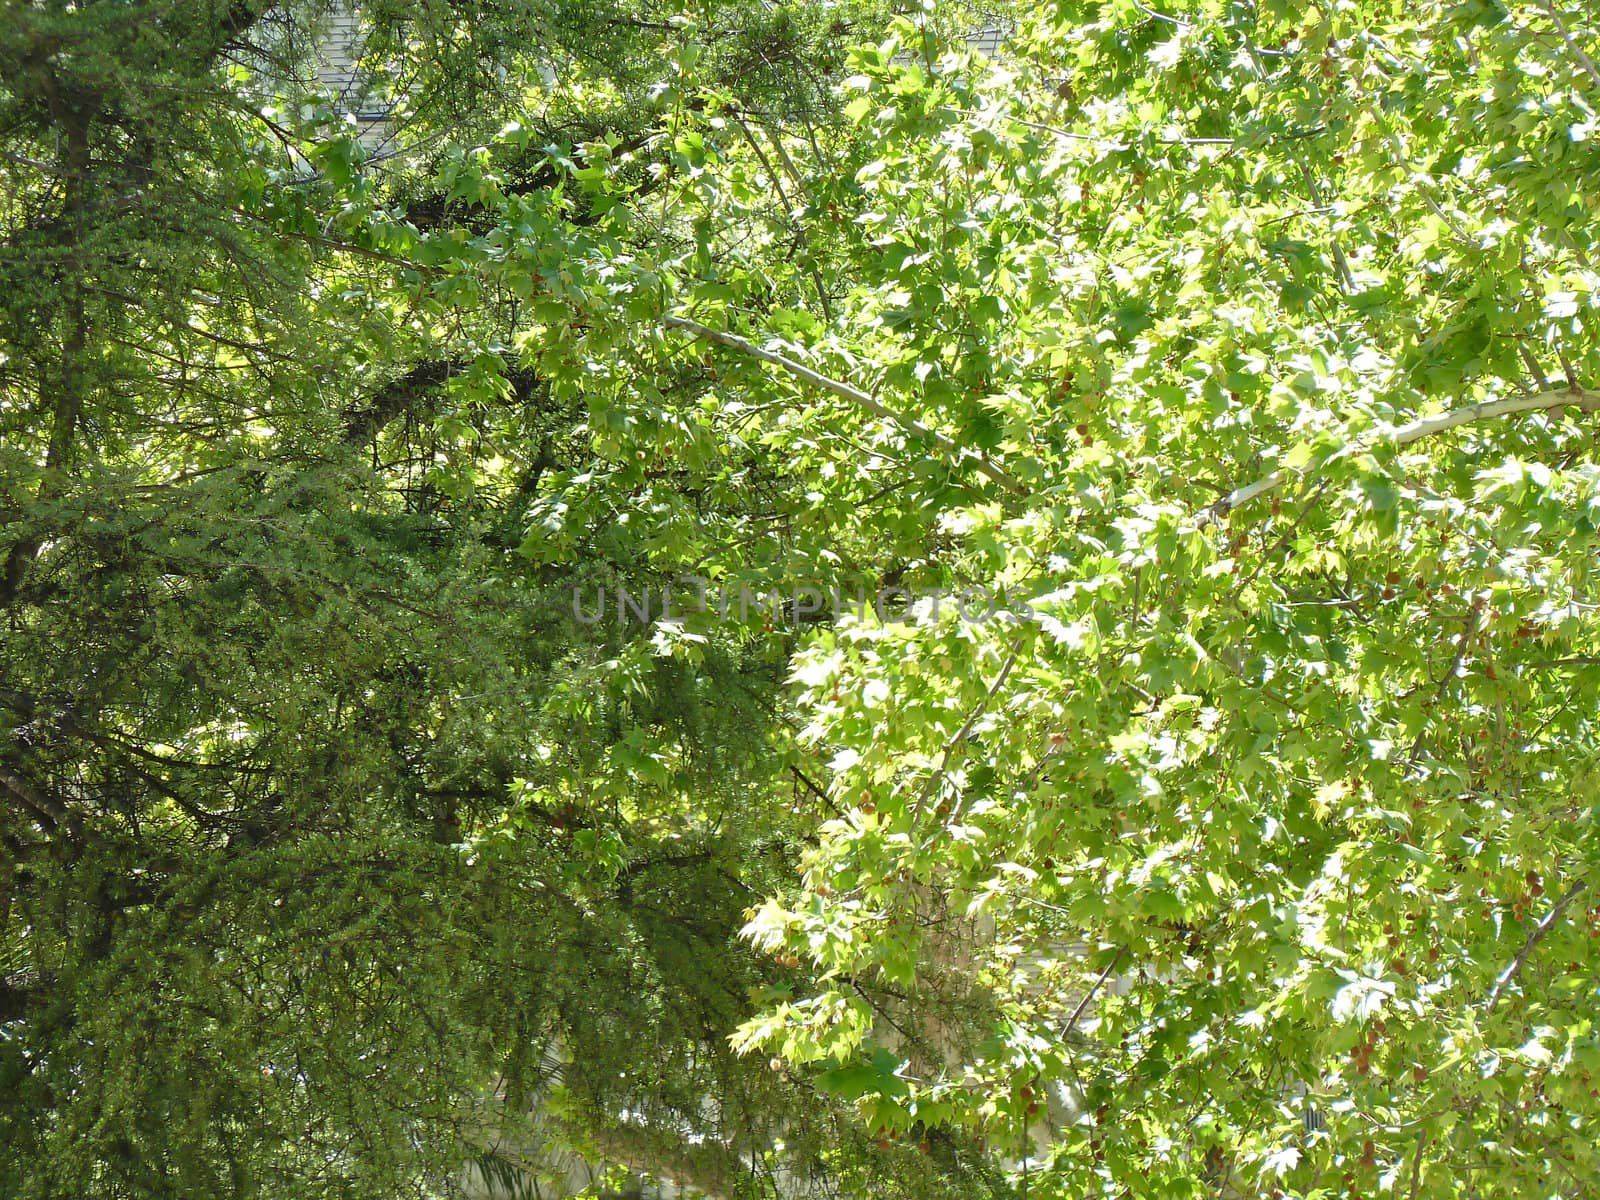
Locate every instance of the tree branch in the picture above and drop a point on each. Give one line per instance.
(1404, 435)
(1578, 53)
(846, 391)
(362, 424)
(1072, 1021)
(47, 810)
(1534, 938)
(961, 735)
(1416, 1163)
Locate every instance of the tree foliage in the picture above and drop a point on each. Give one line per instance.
(1239, 355)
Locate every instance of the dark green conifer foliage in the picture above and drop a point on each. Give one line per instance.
(323, 823)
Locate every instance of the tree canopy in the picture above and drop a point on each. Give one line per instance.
(1237, 356)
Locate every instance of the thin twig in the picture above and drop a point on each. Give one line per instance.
(1097, 985)
(1534, 938)
(1161, 16)
(965, 731)
(815, 789)
(1443, 686)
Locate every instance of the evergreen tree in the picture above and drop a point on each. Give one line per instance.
(334, 843)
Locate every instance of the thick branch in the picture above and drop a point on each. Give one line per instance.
(406, 395)
(708, 1167)
(853, 394)
(401, 395)
(1404, 435)
(19, 790)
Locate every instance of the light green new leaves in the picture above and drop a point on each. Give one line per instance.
(1255, 810)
